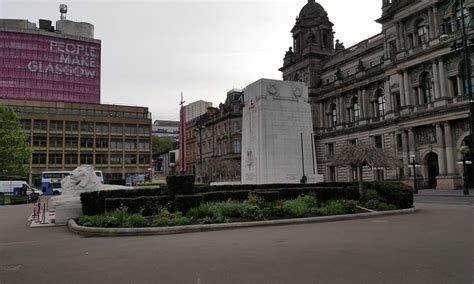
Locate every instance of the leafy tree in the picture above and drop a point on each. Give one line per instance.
(360, 155)
(15, 151)
(163, 144)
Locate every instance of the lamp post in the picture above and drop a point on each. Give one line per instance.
(465, 174)
(200, 128)
(414, 164)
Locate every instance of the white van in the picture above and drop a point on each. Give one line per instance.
(14, 187)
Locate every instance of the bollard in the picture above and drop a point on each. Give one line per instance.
(44, 214)
(47, 205)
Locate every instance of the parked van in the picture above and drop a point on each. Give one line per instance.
(18, 187)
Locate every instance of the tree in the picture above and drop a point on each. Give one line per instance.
(163, 144)
(15, 151)
(360, 155)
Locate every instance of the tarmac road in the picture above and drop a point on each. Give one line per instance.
(434, 245)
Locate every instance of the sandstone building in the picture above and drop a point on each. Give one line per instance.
(401, 90)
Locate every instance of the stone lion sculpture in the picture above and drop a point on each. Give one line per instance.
(82, 179)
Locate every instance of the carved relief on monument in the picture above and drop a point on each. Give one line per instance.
(272, 90)
(459, 128)
(425, 135)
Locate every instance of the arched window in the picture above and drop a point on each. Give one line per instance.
(467, 17)
(332, 116)
(355, 109)
(380, 108)
(426, 88)
(422, 32)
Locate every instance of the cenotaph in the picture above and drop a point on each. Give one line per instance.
(277, 134)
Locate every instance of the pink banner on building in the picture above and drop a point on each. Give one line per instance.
(41, 67)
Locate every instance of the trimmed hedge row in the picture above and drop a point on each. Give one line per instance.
(144, 205)
(208, 188)
(93, 203)
(180, 185)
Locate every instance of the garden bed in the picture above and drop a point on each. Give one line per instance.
(254, 208)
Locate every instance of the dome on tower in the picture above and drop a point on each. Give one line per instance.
(312, 10)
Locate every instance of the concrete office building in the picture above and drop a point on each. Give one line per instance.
(196, 109)
(51, 77)
(115, 139)
(401, 90)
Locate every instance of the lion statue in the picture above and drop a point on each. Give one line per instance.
(83, 178)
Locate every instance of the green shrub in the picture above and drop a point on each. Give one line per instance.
(395, 193)
(136, 221)
(300, 206)
(227, 209)
(371, 195)
(268, 195)
(165, 218)
(254, 212)
(336, 207)
(254, 199)
(200, 212)
(380, 206)
(145, 205)
(276, 207)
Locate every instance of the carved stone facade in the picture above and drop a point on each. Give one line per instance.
(401, 89)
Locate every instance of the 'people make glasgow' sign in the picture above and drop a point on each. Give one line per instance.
(74, 60)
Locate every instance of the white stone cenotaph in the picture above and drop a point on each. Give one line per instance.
(277, 134)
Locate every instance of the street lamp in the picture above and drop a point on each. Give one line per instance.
(467, 68)
(200, 128)
(414, 164)
(465, 174)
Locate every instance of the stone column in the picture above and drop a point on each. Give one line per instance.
(407, 89)
(415, 43)
(442, 78)
(436, 21)
(388, 95)
(436, 79)
(402, 88)
(402, 36)
(440, 146)
(420, 96)
(338, 110)
(406, 159)
(430, 22)
(460, 86)
(366, 108)
(450, 157)
(321, 115)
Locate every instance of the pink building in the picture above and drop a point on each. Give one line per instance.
(49, 64)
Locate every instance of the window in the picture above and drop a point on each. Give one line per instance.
(393, 50)
(71, 142)
(330, 150)
(72, 126)
(397, 102)
(116, 144)
(102, 143)
(332, 116)
(55, 159)
(422, 32)
(116, 129)
(130, 130)
(87, 142)
(39, 141)
(56, 125)
(55, 142)
(144, 145)
(39, 159)
(399, 143)
(355, 174)
(130, 144)
(236, 146)
(332, 174)
(352, 141)
(378, 141)
(130, 159)
(101, 159)
(70, 159)
(426, 88)
(40, 125)
(87, 127)
(380, 108)
(379, 175)
(102, 128)
(26, 124)
(355, 109)
(116, 159)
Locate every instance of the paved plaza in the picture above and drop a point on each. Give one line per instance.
(434, 245)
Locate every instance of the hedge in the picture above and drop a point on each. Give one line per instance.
(93, 203)
(219, 196)
(180, 185)
(183, 203)
(144, 205)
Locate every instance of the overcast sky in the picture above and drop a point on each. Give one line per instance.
(154, 50)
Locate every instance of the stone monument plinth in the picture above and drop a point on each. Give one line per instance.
(277, 134)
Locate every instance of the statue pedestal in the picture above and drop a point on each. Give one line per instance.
(68, 209)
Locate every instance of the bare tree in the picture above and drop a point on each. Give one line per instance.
(360, 155)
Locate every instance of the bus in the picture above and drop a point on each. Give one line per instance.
(51, 181)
